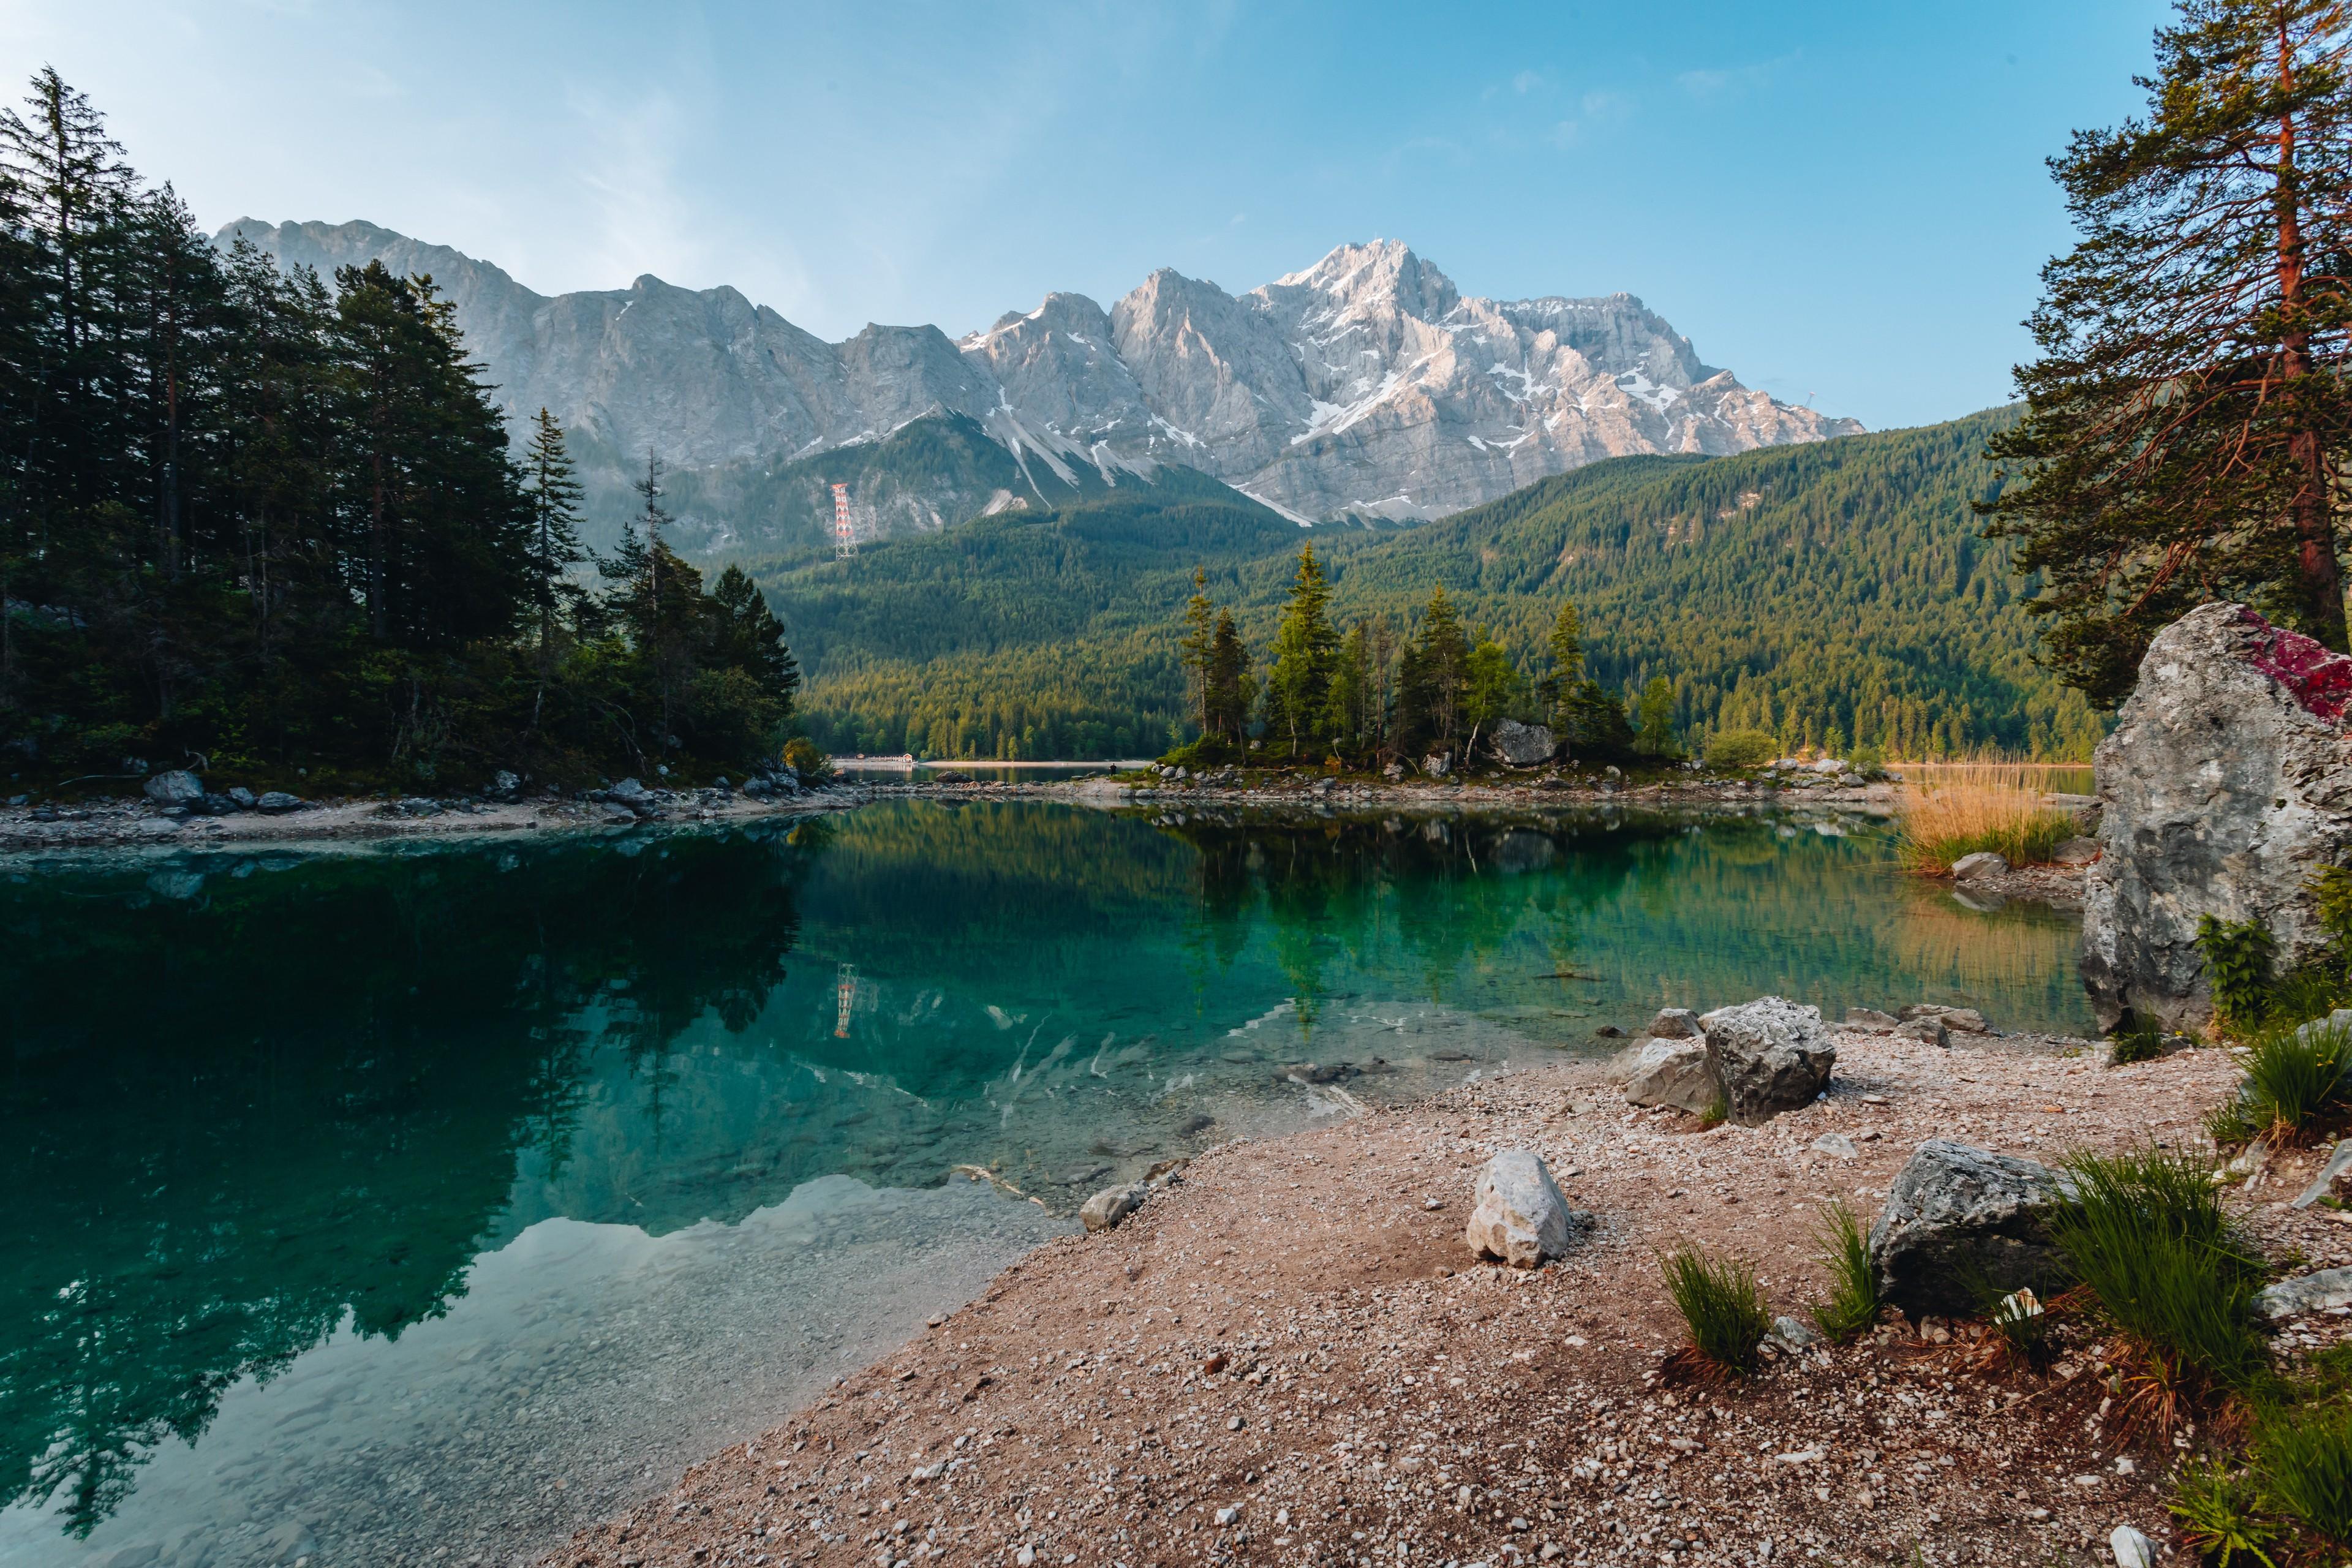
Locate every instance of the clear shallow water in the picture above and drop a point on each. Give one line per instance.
(420, 1205)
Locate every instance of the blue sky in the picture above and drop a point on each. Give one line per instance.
(1841, 201)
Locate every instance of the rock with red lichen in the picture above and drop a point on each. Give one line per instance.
(2225, 787)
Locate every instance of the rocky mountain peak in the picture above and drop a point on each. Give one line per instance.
(1365, 383)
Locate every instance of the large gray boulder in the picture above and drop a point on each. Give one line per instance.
(1520, 1216)
(1674, 1073)
(1959, 1219)
(2226, 785)
(178, 787)
(1769, 1055)
(1522, 745)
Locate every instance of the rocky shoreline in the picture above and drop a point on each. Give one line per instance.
(1291, 1354)
(140, 821)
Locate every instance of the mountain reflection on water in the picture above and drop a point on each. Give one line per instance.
(261, 1108)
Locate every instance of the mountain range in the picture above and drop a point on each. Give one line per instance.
(1366, 387)
(1829, 591)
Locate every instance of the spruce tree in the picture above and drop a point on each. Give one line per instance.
(1196, 647)
(1305, 645)
(2187, 418)
(1227, 694)
(1433, 678)
(1656, 736)
(1558, 688)
(553, 493)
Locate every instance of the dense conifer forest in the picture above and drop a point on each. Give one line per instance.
(272, 526)
(1836, 593)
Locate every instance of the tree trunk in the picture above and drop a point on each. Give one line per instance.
(2320, 577)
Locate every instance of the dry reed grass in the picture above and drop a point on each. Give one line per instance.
(1956, 812)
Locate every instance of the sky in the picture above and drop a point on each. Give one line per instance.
(1845, 205)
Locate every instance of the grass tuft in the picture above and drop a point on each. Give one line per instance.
(2222, 1514)
(2147, 1232)
(2134, 1041)
(2294, 1075)
(1969, 809)
(1722, 1305)
(2304, 1455)
(1854, 1302)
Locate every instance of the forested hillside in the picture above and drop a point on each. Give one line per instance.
(1834, 589)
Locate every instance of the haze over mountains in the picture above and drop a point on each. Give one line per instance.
(1367, 385)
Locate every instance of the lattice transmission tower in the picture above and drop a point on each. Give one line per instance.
(845, 527)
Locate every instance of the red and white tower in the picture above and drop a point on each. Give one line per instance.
(844, 530)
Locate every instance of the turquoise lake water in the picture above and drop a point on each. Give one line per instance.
(418, 1204)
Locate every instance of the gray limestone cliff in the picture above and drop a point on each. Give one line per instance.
(1365, 384)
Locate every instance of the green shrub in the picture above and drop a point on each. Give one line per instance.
(1722, 1305)
(1853, 1301)
(2303, 1456)
(2331, 894)
(2309, 990)
(2147, 1232)
(2238, 956)
(2220, 1513)
(1867, 761)
(1735, 751)
(2227, 1123)
(1208, 751)
(2294, 1078)
(800, 754)
(2134, 1040)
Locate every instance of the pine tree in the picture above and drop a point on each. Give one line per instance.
(73, 191)
(553, 493)
(1656, 737)
(439, 527)
(1305, 645)
(1227, 694)
(1433, 678)
(1196, 647)
(2189, 417)
(1351, 719)
(1566, 646)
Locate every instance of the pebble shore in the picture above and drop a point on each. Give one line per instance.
(1290, 1356)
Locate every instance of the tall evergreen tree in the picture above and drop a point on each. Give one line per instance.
(1657, 735)
(1434, 679)
(1305, 645)
(1227, 694)
(2187, 420)
(552, 493)
(442, 536)
(1196, 647)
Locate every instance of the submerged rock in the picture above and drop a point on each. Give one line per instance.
(1959, 1220)
(2223, 790)
(1769, 1055)
(1521, 1218)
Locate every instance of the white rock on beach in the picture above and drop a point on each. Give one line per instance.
(1520, 1217)
(1112, 1205)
